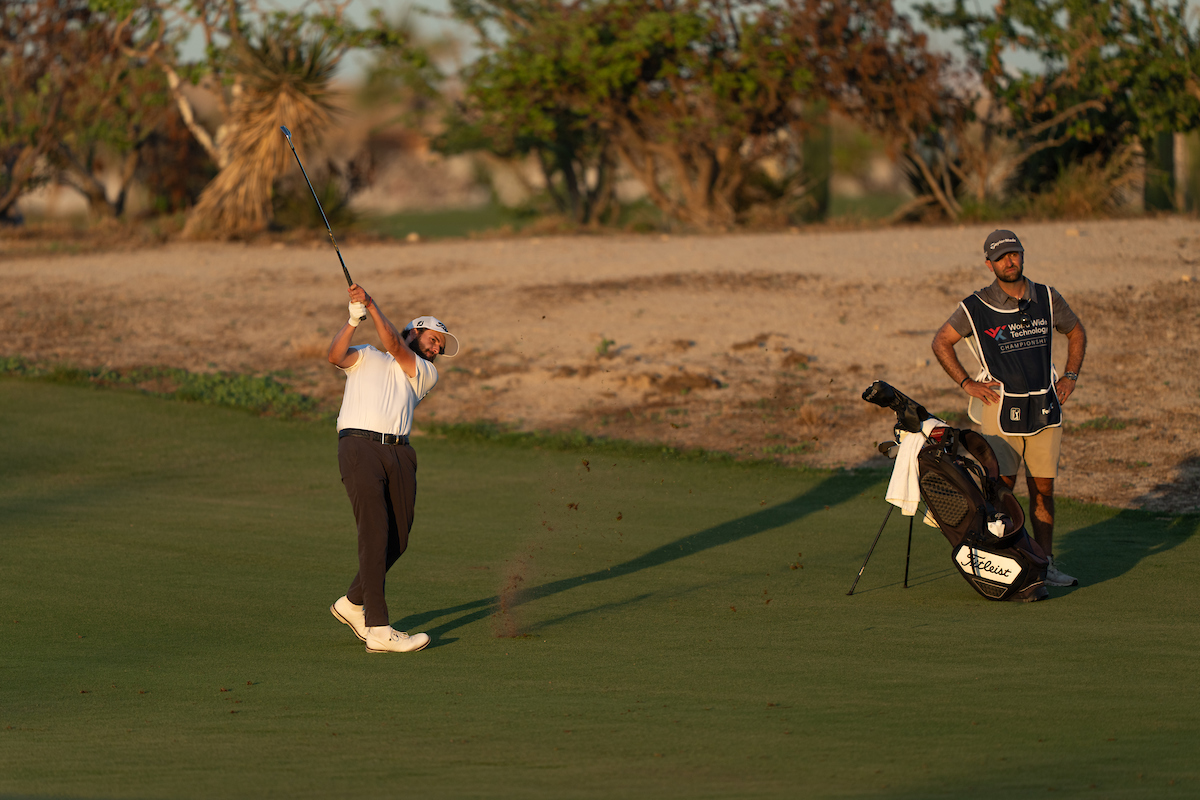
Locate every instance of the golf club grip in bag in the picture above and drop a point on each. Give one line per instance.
(960, 483)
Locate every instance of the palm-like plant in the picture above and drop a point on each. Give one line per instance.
(283, 77)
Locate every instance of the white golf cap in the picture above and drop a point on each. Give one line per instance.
(434, 324)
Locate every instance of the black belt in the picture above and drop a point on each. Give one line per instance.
(382, 438)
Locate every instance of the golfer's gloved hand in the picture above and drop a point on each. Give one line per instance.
(358, 312)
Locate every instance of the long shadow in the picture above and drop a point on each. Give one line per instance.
(1109, 549)
(1181, 494)
(914, 580)
(832, 491)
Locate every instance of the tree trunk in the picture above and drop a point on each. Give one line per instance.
(567, 164)
(218, 154)
(600, 199)
(1160, 173)
(78, 173)
(24, 167)
(1180, 157)
(816, 163)
(22, 171)
(127, 172)
(548, 171)
(642, 160)
(701, 181)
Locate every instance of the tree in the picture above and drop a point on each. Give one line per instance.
(1111, 73)
(117, 124)
(265, 69)
(519, 102)
(696, 97)
(71, 95)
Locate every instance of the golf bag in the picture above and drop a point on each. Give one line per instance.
(959, 481)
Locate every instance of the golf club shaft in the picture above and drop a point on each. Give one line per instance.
(346, 272)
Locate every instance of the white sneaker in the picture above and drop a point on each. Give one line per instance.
(352, 615)
(385, 639)
(1055, 577)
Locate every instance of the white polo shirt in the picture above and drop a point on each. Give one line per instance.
(379, 396)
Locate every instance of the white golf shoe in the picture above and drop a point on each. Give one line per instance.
(352, 615)
(1056, 577)
(385, 639)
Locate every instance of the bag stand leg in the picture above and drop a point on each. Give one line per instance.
(907, 552)
(863, 568)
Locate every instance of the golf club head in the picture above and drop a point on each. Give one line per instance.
(286, 133)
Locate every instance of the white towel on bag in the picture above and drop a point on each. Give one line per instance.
(903, 490)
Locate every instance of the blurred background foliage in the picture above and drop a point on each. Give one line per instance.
(543, 115)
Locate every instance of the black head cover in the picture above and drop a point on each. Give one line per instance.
(909, 413)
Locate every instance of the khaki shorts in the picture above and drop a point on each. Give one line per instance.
(1039, 452)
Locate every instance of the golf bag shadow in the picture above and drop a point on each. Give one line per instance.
(959, 480)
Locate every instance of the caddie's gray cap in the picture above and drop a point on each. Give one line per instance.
(1000, 242)
(434, 324)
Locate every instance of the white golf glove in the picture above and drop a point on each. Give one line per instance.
(358, 312)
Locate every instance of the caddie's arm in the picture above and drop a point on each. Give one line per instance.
(389, 336)
(943, 347)
(1076, 350)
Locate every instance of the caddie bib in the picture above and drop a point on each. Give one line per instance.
(1015, 347)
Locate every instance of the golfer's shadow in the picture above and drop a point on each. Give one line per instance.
(832, 491)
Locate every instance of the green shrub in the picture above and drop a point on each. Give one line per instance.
(264, 395)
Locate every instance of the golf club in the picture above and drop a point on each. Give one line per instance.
(346, 272)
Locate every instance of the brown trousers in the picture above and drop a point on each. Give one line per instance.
(381, 481)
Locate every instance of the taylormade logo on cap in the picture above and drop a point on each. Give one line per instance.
(999, 243)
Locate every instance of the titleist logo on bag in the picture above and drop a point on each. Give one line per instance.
(987, 565)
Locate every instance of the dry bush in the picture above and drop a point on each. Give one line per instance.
(57, 236)
(812, 416)
(1093, 187)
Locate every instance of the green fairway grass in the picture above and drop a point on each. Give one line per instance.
(605, 623)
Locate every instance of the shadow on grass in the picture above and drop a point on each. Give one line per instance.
(1182, 493)
(1109, 549)
(914, 581)
(832, 491)
(1100, 552)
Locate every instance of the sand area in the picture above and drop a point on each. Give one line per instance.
(758, 345)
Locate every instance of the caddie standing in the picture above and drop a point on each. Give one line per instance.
(378, 465)
(1010, 326)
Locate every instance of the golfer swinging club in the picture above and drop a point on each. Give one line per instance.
(378, 464)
